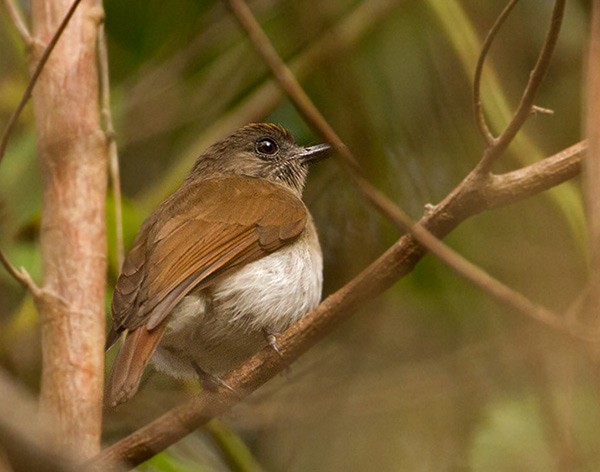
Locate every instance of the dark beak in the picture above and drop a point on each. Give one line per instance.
(314, 154)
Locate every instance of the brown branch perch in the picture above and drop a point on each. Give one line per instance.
(396, 262)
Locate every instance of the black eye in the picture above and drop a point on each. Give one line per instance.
(266, 146)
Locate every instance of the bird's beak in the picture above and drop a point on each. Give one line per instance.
(316, 153)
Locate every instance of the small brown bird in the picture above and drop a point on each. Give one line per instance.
(228, 261)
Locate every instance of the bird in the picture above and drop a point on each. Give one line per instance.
(222, 266)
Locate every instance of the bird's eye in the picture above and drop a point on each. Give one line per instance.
(266, 146)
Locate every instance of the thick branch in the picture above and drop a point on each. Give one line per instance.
(73, 158)
(502, 190)
(396, 262)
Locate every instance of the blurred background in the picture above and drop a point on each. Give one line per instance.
(434, 375)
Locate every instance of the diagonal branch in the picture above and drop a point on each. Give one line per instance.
(20, 275)
(511, 187)
(472, 196)
(340, 37)
(472, 184)
(394, 264)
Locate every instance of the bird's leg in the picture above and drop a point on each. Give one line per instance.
(211, 381)
(271, 338)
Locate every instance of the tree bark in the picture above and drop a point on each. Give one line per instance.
(73, 159)
(592, 164)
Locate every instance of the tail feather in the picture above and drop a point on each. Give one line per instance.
(130, 363)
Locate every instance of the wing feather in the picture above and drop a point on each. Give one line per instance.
(233, 221)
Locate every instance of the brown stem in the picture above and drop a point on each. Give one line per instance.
(115, 176)
(396, 262)
(19, 275)
(535, 81)
(487, 44)
(522, 183)
(73, 158)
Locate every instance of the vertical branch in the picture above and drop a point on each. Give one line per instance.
(113, 156)
(73, 157)
(592, 162)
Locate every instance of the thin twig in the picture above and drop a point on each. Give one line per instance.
(20, 276)
(33, 80)
(113, 157)
(17, 18)
(487, 44)
(535, 81)
(307, 109)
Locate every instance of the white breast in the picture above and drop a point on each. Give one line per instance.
(221, 326)
(274, 291)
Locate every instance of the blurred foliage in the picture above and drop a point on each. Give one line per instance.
(431, 376)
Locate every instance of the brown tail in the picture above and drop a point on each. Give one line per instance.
(130, 363)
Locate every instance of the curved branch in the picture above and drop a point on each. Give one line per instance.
(19, 275)
(479, 114)
(17, 18)
(395, 263)
(535, 80)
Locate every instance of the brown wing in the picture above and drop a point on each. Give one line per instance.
(214, 227)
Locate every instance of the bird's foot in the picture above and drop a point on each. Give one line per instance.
(271, 338)
(210, 381)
